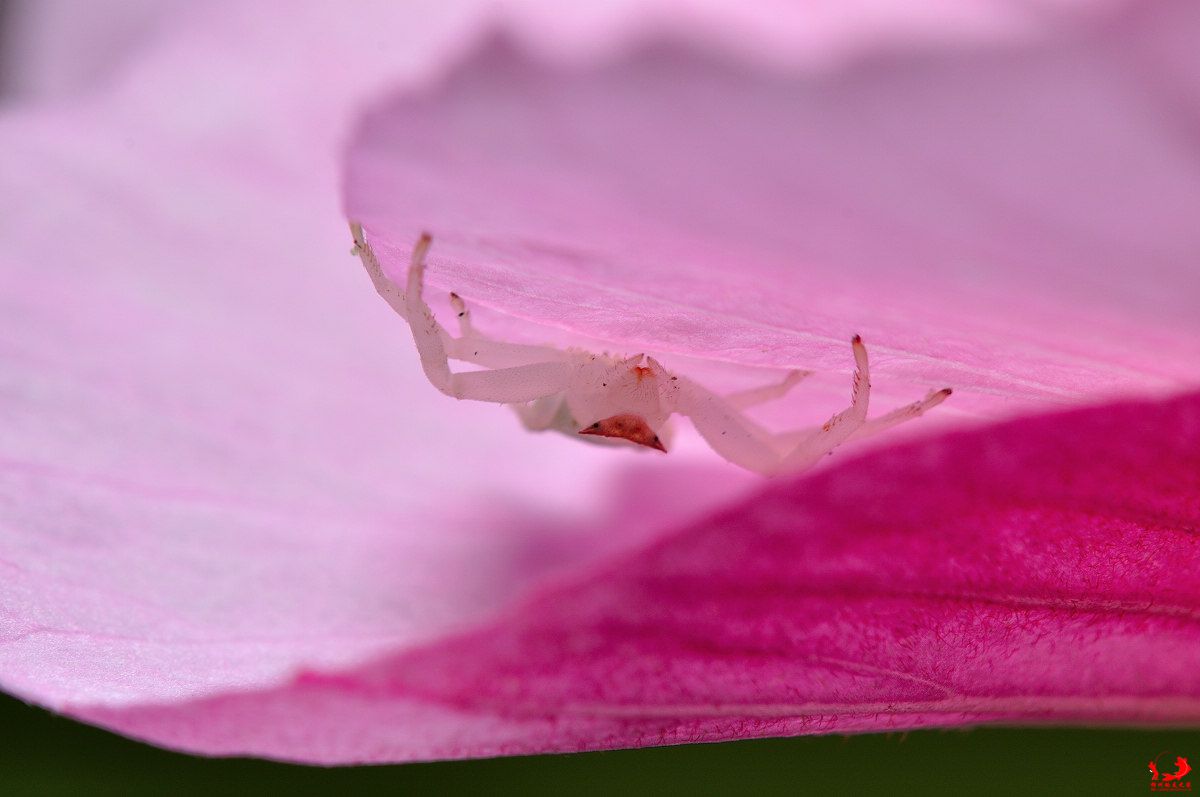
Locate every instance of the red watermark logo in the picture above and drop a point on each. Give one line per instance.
(1163, 779)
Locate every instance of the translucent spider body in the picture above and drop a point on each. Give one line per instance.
(626, 401)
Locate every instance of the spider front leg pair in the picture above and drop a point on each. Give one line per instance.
(616, 400)
(744, 442)
(522, 373)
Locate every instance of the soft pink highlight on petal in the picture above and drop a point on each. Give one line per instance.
(51, 50)
(235, 518)
(219, 460)
(1062, 588)
(1017, 222)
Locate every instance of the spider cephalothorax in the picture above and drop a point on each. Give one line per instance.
(613, 399)
(619, 398)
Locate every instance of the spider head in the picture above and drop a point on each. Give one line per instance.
(626, 427)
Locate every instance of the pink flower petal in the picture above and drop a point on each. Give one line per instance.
(1062, 588)
(1017, 222)
(219, 460)
(234, 517)
(57, 49)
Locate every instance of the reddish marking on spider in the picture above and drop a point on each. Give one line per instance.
(626, 427)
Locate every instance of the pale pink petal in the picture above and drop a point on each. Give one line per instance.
(1017, 221)
(221, 469)
(1042, 571)
(55, 50)
(219, 460)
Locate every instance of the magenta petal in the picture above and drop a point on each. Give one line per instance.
(1046, 570)
(1017, 222)
(235, 518)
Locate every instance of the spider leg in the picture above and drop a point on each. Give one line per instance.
(526, 382)
(838, 429)
(760, 395)
(743, 442)
(474, 347)
(465, 328)
(383, 286)
(875, 425)
(729, 432)
(471, 347)
(504, 385)
(905, 413)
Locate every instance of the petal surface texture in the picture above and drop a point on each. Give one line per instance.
(1041, 571)
(235, 518)
(1016, 222)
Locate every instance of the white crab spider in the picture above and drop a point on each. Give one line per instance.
(613, 399)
